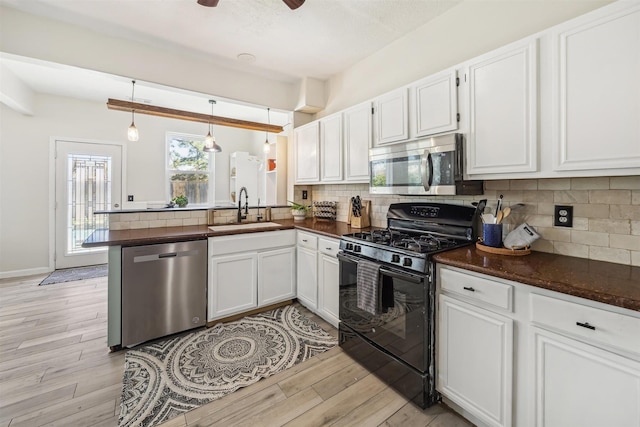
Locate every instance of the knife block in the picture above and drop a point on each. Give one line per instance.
(363, 220)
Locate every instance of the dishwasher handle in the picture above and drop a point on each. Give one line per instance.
(168, 255)
(156, 257)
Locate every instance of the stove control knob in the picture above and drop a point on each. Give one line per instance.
(356, 248)
(407, 262)
(395, 258)
(349, 246)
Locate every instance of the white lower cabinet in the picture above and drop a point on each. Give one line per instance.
(248, 271)
(577, 384)
(307, 270)
(317, 275)
(475, 368)
(328, 278)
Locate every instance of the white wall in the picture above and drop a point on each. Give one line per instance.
(465, 31)
(24, 166)
(35, 37)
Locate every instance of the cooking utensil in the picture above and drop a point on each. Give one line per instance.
(488, 218)
(356, 206)
(499, 217)
(498, 206)
(506, 212)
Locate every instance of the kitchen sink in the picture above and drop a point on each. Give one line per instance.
(231, 227)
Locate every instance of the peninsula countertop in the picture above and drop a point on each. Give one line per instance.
(606, 282)
(149, 236)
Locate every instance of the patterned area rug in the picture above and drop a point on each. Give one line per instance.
(164, 379)
(80, 273)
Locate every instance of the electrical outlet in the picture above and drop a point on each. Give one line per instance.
(563, 216)
(304, 195)
(130, 198)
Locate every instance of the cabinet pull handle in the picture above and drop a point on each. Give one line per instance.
(304, 240)
(586, 325)
(328, 249)
(469, 288)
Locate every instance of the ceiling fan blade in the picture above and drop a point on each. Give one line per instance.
(208, 3)
(293, 4)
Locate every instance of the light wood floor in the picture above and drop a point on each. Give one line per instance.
(56, 370)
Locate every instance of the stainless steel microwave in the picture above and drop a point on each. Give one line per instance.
(433, 166)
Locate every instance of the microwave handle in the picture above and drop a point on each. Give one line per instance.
(426, 169)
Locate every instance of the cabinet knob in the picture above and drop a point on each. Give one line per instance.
(469, 288)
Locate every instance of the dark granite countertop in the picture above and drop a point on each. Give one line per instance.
(149, 236)
(605, 282)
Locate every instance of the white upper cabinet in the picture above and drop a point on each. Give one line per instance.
(597, 90)
(331, 148)
(357, 141)
(434, 106)
(503, 93)
(307, 153)
(392, 117)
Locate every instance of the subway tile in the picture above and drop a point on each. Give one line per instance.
(635, 197)
(157, 223)
(115, 217)
(555, 234)
(523, 184)
(581, 224)
(148, 216)
(539, 220)
(591, 210)
(497, 184)
(121, 225)
(635, 228)
(198, 214)
(624, 241)
(590, 238)
(571, 196)
(571, 249)
(139, 224)
(546, 208)
(174, 222)
(541, 245)
(545, 196)
(635, 258)
(617, 226)
(130, 216)
(554, 184)
(166, 215)
(595, 183)
(625, 182)
(190, 221)
(619, 256)
(631, 212)
(610, 197)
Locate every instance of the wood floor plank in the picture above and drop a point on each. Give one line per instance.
(411, 415)
(282, 412)
(339, 380)
(324, 369)
(374, 411)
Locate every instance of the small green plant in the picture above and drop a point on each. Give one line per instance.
(298, 207)
(181, 201)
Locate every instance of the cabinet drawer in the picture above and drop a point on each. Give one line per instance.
(476, 288)
(251, 242)
(306, 240)
(328, 246)
(595, 325)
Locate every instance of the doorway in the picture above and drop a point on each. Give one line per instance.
(88, 178)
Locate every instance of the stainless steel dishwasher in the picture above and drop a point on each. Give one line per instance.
(164, 289)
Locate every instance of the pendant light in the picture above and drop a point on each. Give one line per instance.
(267, 147)
(132, 133)
(210, 141)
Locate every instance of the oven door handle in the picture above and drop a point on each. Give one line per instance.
(402, 276)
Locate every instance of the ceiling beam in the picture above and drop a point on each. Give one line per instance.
(119, 105)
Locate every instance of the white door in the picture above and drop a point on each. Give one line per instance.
(88, 178)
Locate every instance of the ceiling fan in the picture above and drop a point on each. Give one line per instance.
(293, 4)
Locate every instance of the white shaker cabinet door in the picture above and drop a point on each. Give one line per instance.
(597, 87)
(580, 385)
(307, 153)
(435, 104)
(276, 276)
(392, 117)
(503, 121)
(475, 360)
(357, 141)
(328, 281)
(233, 284)
(307, 277)
(331, 148)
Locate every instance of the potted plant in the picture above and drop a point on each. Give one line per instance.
(298, 211)
(181, 201)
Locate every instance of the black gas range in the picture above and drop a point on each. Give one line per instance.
(392, 333)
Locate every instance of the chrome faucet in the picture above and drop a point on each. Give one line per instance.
(246, 204)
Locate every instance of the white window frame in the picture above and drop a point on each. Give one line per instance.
(168, 172)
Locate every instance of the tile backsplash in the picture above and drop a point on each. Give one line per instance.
(606, 212)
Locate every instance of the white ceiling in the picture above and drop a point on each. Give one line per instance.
(319, 39)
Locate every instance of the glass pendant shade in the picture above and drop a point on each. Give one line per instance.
(266, 147)
(210, 145)
(132, 132)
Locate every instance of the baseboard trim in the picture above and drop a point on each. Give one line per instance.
(27, 272)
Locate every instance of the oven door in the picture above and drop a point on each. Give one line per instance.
(401, 327)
